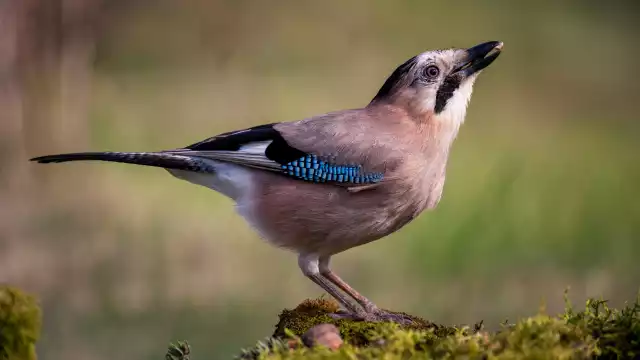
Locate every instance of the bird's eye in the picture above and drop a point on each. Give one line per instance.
(431, 72)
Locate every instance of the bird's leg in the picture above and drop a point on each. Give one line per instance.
(373, 313)
(310, 268)
(326, 272)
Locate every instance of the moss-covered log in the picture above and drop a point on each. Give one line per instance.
(596, 332)
(358, 333)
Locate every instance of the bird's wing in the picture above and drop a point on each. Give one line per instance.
(311, 150)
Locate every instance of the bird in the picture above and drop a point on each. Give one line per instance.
(328, 183)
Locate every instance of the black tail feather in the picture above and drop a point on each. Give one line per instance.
(156, 159)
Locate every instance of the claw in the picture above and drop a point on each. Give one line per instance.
(401, 319)
(345, 315)
(378, 316)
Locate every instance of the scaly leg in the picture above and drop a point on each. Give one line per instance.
(309, 264)
(373, 313)
(325, 271)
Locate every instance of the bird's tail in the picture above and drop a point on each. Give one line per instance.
(157, 159)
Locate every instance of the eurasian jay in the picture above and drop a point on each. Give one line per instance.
(328, 183)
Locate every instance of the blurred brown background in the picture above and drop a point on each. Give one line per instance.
(542, 188)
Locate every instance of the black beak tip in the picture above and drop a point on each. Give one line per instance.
(481, 50)
(480, 56)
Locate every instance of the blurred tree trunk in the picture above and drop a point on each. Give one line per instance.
(11, 116)
(46, 51)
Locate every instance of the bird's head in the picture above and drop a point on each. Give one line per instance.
(438, 83)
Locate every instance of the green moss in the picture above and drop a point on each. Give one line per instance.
(359, 333)
(595, 332)
(179, 351)
(20, 322)
(616, 331)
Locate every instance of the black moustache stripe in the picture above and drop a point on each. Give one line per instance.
(446, 90)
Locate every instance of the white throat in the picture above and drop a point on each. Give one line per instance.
(455, 111)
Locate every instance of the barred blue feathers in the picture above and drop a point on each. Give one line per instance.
(309, 168)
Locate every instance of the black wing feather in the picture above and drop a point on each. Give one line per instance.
(279, 150)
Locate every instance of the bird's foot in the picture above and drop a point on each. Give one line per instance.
(399, 318)
(374, 316)
(347, 315)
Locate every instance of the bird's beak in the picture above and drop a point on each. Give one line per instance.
(478, 58)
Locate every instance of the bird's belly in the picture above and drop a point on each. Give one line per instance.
(320, 218)
(231, 180)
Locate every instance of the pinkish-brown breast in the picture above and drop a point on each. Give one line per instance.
(326, 218)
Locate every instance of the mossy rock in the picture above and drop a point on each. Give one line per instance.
(20, 322)
(597, 332)
(312, 312)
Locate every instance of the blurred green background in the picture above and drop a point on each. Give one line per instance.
(542, 190)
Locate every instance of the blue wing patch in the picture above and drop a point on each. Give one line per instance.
(309, 168)
(279, 155)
